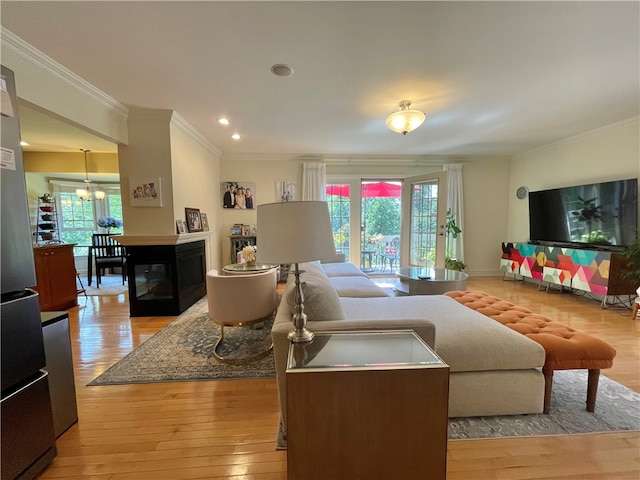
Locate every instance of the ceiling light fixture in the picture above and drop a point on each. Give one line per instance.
(406, 119)
(223, 120)
(236, 136)
(86, 193)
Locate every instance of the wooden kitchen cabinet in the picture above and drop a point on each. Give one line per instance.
(56, 276)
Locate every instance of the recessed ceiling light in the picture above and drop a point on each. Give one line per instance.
(24, 144)
(282, 70)
(236, 136)
(223, 120)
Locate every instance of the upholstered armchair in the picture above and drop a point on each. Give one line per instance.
(241, 300)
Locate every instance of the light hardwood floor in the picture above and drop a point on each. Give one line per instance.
(227, 429)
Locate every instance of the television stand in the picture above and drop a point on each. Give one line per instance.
(589, 270)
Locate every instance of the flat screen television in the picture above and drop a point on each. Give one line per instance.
(598, 215)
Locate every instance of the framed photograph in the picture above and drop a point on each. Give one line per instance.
(246, 230)
(145, 191)
(254, 229)
(204, 221)
(236, 230)
(238, 195)
(180, 227)
(194, 222)
(285, 191)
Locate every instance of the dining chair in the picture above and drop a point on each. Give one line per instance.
(105, 252)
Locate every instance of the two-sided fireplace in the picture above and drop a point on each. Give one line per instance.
(165, 279)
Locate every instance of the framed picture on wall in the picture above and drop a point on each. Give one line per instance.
(194, 221)
(238, 195)
(145, 191)
(285, 190)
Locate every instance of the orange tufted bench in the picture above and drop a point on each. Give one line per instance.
(566, 348)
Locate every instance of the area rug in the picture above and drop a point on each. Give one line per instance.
(109, 285)
(617, 409)
(183, 351)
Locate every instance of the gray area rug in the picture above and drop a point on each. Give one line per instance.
(183, 351)
(617, 409)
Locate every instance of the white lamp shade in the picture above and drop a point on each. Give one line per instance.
(294, 232)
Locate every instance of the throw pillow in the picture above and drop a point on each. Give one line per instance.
(321, 302)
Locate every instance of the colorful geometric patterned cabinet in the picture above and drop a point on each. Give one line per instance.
(594, 271)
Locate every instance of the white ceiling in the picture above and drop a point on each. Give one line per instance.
(492, 77)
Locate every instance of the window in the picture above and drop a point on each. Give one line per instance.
(339, 203)
(78, 219)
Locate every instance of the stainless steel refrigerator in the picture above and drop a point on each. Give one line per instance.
(28, 440)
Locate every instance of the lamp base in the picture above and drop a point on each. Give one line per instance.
(301, 335)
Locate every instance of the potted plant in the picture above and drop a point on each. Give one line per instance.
(109, 223)
(632, 255)
(451, 262)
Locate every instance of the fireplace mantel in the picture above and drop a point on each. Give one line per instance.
(174, 239)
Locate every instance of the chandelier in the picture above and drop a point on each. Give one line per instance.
(406, 119)
(86, 192)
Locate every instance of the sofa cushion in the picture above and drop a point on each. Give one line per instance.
(344, 269)
(359, 287)
(321, 301)
(466, 340)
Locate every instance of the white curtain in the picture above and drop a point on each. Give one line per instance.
(455, 204)
(313, 181)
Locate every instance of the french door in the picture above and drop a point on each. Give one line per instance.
(424, 216)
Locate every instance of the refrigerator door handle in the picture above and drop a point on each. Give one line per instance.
(24, 387)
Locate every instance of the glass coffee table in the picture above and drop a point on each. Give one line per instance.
(429, 281)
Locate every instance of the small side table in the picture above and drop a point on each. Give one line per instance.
(245, 268)
(368, 405)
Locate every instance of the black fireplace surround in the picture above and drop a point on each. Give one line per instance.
(165, 280)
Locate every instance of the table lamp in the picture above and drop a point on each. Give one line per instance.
(292, 233)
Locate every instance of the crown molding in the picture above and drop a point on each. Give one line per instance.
(29, 53)
(334, 159)
(186, 127)
(575, 138)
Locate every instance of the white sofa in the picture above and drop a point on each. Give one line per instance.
(494, 370)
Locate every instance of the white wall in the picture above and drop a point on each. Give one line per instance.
(264, 172)
(195, 165)
(486, 185)
(148, 155)
(486, 192)
(609, 153)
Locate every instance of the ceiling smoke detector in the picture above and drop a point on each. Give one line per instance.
(282, 70)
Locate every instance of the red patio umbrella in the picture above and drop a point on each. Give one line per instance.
(369, 190)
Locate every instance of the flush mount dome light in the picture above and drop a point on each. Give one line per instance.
(223, 120)
(406, 119)
(281, 70)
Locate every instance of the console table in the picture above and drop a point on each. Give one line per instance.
(368, 405)
(594, 271)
